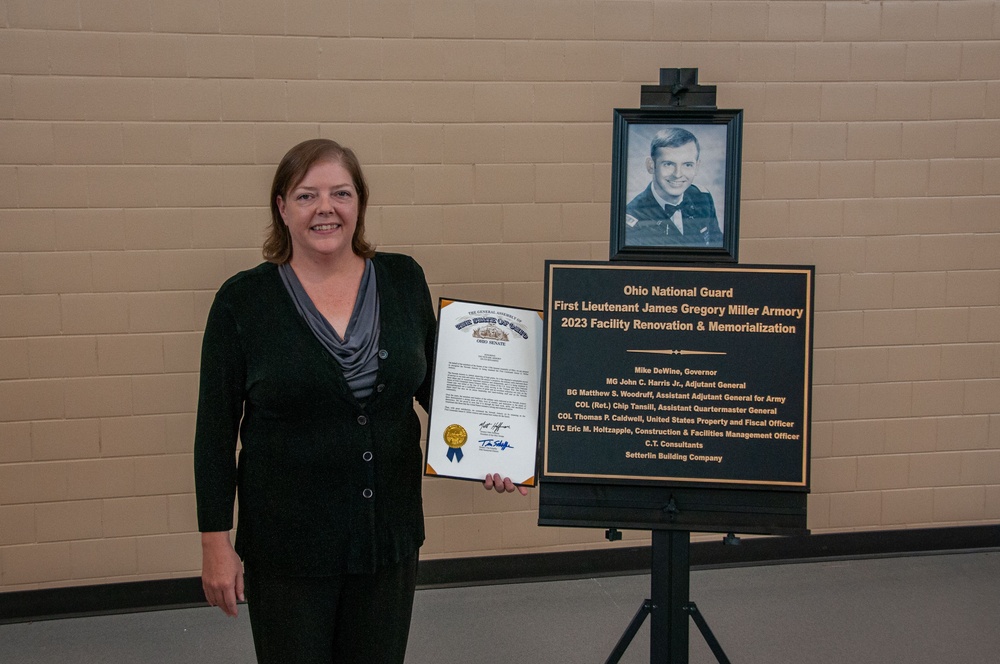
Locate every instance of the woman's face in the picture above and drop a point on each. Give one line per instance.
(321, 212)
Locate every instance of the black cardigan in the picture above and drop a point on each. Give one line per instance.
(327, 485)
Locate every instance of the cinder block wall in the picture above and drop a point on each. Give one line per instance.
(138, 138)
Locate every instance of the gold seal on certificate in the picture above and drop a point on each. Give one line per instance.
(455, 436)
(484, 400)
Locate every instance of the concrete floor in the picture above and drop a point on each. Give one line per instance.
(916, 609)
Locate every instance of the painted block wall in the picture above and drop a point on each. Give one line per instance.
(137, 143)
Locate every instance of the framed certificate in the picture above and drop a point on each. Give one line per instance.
(484, 400)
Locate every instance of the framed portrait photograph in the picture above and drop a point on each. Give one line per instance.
(675, 184)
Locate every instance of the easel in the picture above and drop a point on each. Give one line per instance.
(598, 490)
(669, 606)
(678, 88)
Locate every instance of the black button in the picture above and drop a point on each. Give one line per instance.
(367, 493)
(367, 456)
(362, 420)
(380, 387)
(382, 354)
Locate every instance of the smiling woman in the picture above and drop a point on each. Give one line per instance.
(312, 360)
(321, 213)
(291, 173)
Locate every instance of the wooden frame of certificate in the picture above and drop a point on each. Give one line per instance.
(485, 395)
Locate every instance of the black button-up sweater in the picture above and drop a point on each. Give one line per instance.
(326, 485)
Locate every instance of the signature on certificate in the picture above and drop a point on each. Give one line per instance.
(493, 427)
(494, 444)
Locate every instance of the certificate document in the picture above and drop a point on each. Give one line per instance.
(484, 402)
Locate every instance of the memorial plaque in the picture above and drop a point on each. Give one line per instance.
(677, 375)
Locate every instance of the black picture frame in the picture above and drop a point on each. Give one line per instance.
(640, 229)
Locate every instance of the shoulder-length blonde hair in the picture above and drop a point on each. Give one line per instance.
(290, 172)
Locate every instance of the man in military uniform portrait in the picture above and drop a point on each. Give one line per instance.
(673, 210)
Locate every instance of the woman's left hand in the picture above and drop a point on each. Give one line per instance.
(503, 485)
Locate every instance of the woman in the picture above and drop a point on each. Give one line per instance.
(313, 359)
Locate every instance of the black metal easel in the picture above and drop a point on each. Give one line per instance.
(669, 606)
(678, 88)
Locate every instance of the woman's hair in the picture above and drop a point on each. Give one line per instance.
(290, 172)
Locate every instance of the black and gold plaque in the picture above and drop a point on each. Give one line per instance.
(678, 375)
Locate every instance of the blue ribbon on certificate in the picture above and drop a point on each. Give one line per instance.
(454, 454)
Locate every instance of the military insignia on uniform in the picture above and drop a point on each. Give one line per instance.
(630, 221)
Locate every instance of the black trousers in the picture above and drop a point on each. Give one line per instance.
(349, 618)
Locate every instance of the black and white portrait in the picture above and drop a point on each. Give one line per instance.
(675, 184)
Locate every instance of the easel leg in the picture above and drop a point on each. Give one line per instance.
(706, 632)
(630, 632)
(670, 582)
(669, 608)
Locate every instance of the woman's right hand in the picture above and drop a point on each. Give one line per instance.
(221, 572)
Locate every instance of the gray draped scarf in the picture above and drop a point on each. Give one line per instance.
(357, 352)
